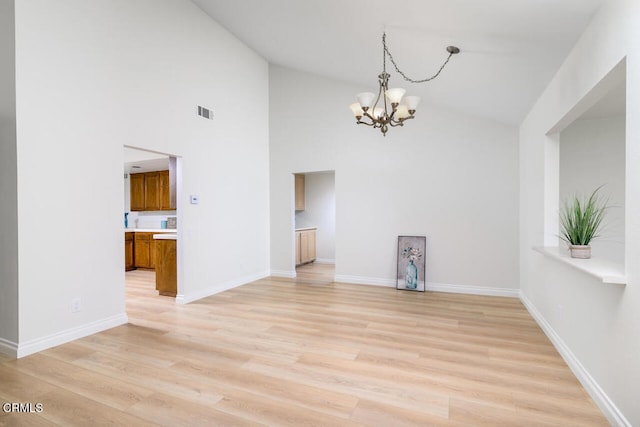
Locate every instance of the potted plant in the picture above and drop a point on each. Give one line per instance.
(580, 222)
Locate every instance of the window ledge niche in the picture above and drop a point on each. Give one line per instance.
(605, 270)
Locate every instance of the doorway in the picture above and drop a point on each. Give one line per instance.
(144, 219)
(314, 215)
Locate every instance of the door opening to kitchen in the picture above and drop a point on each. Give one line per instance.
(151, 219)
(315, 226)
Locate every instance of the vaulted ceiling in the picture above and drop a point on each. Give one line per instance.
(510, 49)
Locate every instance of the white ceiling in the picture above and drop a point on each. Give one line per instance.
(510, 49)
(137, 161)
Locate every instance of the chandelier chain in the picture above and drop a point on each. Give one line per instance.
(387, 52)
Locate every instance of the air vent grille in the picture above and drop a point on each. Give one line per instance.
(205, 112)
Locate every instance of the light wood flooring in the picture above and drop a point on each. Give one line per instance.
(284, 352)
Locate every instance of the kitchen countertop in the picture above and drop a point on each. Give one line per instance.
(306, 228)
(165, 236)
(150, 230)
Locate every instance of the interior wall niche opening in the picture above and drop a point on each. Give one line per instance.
(590, 152)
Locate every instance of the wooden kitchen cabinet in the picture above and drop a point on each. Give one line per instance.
(298, 259)
(152, 191)
(165, 192)
(144, 250)
(152, 251)
(311, 245)
(166, 267)
(305, 246)
(137, 191)
(128, 252)
(299, 192)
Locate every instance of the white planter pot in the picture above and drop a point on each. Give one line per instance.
(580, 251)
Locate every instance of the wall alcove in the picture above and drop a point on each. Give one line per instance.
(587, 150)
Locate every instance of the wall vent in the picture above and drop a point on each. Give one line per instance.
(205, 112)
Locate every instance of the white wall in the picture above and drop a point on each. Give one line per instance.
(320, 211)
(8, 184)
(108, 74)
(592, 154)
(595, 325)
(450, 177)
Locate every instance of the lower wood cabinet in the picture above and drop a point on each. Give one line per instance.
(128, 251)
(144, 250)
(166, 267)
(305, 246)
(298, 259)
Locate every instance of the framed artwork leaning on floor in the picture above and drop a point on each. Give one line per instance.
(411, 266)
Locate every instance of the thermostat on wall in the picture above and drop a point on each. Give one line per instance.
(194, 199)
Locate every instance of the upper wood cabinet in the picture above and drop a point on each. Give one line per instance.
(299, 193)
(151, 191)
(137, 192)
(165, 192)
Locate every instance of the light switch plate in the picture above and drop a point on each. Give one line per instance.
(194, 199)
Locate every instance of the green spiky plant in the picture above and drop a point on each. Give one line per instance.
(581, 219)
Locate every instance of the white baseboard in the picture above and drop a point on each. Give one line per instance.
(359, 280)
(9, 348)
(433, 287)
(221, 287)
(606, 405)
(39, 344)
(325, 261)
(473, 290)
(290, 274)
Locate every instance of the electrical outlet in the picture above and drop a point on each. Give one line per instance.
(76, 305)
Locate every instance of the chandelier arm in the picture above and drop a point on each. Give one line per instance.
(369, 116)
(360, 122)
(399, 123)
(452, 51)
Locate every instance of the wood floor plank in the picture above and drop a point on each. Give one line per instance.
(13, 419)
(66, 408)
(304, 351)
(168, 410)
(113, 392)
(288, 392)
(168, 381)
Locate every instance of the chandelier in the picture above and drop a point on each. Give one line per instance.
(390, 112)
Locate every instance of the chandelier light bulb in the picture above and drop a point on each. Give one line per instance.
(411, 102)
(356, 109)
(366, 99)
(378, 112)
(402, 112)
(394, 95)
